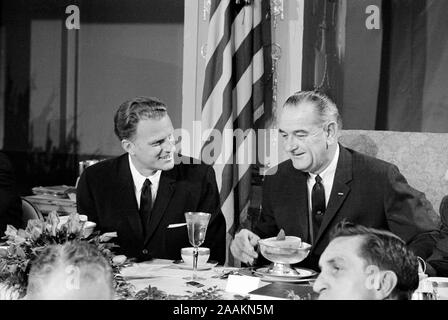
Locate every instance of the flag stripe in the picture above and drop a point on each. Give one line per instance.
(218, 28)
(214, 6)
(243, 90)
(214, 66)
(258, 91)
(244, 54)
(242, 26)
(247, 116)
(244, 183)
(233, 99)
(227, 181)
(214, 69)
(226, 111)
(249, 106)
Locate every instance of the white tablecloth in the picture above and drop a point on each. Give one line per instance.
(168, 277)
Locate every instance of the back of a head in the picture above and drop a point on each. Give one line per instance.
(386, 251)
(72, 271)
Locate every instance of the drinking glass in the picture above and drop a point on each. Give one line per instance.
(197, 223)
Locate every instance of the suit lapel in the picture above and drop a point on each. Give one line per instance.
(164, 194)
(340, 189)
(126, 194)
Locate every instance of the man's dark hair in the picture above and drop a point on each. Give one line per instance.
(326, 109)
(386, 251)
(132, 111)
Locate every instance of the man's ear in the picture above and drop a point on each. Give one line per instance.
(331, 132)
(388, 282)
(128, 146)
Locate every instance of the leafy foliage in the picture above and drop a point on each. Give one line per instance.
(152, 293)
(25, 245)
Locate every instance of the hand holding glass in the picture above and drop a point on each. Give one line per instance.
(197, 223)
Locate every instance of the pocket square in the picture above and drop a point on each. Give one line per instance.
(176, 225)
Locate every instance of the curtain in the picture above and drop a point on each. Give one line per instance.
(391, 78)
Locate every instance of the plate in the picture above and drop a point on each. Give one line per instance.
(206, 266)
(304, 275)
(56, 191)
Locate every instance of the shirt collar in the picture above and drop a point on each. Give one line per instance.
(330, 169)
(139, 179)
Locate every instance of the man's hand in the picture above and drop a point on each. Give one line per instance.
(242, 247)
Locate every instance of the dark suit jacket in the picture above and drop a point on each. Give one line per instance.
(437, 263)
(366, 191)
(106, 195)
(10, 203)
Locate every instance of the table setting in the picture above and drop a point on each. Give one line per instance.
(173, 282)
(196, 276)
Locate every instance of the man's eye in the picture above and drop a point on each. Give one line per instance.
(335, 269)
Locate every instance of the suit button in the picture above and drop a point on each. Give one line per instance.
(145, 251)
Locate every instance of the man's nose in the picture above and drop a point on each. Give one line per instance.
(290, 144)
(169, 145)
(319, 284)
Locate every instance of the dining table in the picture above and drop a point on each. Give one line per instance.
(174, 278)
(169, 277)
(167, 280)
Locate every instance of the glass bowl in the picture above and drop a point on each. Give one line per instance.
(283, 253)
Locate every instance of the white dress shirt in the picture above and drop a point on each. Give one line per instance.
(327, 179)
(139, 180)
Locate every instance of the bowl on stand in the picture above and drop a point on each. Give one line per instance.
(283, 253)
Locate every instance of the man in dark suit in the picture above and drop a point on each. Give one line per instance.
(437, 264)
(10, 203)
(324, 183)
(143, 195)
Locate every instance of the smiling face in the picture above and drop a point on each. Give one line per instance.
(344, 273)
(309, 143)
(152, 147)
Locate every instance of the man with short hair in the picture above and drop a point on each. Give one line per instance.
(73, 271)
(323, 183)
(143, 195)
(363, 263)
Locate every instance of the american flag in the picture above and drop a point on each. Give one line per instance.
(233, 98)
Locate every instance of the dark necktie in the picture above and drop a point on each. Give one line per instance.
(145, 204)
(318, 203)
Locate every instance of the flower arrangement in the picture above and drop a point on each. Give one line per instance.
(25, 245)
